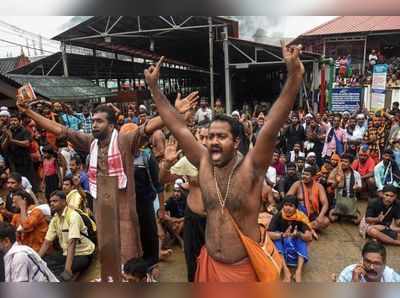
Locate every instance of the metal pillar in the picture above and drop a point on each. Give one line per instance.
(324, 47)
(228, 102)
(64, 58)
(211, 48)
(364, 55)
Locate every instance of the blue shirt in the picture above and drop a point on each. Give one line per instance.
(84, 179)
(71, 121)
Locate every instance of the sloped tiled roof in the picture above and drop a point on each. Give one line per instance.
(356, 24)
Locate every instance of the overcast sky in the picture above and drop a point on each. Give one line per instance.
(49, 26)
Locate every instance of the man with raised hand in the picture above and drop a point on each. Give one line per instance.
(111, 153)
(230, 183)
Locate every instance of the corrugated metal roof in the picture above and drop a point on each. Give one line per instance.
(61, 88)
(356, 24)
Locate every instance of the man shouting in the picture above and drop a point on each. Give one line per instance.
(231, 185)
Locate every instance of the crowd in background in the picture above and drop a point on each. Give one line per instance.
(322, 166)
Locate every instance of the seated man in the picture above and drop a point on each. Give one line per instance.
(365, 165)
(312, 199)
(287, 181)
(290, 230)
(386, 171)
(74, 198)
(383, 217)
(77, 249)
(137, 271)
(346, 182)
(21, 263)
(175, 206)
(372, 267)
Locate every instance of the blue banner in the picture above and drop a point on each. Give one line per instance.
(346, 99)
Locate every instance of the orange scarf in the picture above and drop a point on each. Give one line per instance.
(297, 216)
(313, 201)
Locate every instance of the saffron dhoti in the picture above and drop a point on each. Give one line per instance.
(209, 270)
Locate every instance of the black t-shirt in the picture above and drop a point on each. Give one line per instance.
(20, 155)
(176, 207)
(295, 135)
(376, 207)
(286, 182)
(278, 224)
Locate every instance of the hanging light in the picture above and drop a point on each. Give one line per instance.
(107, 39)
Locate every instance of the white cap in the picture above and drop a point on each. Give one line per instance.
(235, 113)
(309, 115)
(3, 108)
(360, 116)
(311, 154)
(5, 113)
(143, 107)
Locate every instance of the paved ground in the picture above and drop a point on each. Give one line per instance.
(338, 246)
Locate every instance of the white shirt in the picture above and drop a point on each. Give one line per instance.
(23, 264)
(201, 115)
(389, 275)
(293, 155)
(271, 174)
(25, 183)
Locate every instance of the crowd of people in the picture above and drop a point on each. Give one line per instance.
(196, 179)
(345, 76)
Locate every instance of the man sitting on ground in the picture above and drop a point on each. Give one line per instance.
(291, 230)
(21, 263)
(347, 182)
(383, 217)
(372, 267)
(74, 198)
(175, 206)
(365, 166)
(312, 199)
(77, 249)
(287, 181)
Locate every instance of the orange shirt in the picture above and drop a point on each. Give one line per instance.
(34, 228)
(364, 169)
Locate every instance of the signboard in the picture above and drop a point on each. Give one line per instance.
(378, 88)
(345, 99)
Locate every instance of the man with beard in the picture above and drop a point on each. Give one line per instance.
(375, 138)
(87, 122)
(365, 165)
(16, 147)
(14, 183)
(383, 217)
(112, 154)
(231, 186)
(296, 152)
(335, 140)
(295, 132)
(386, 172)
(352, 139)
(347, 183)
(287, 181)
(300, 162)
(372, 267)
(312, 199)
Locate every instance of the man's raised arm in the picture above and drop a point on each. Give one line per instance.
(172, 119)
(41, 121)
(262, 152)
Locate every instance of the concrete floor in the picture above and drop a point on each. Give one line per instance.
(338, 246)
